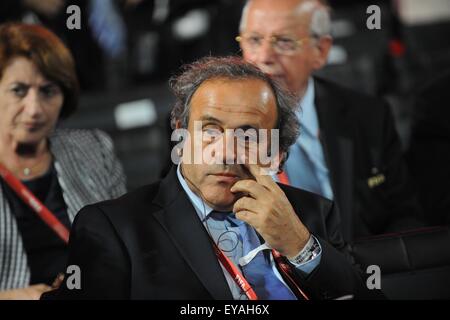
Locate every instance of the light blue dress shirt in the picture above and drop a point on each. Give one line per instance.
(228, 236)
(306, 167)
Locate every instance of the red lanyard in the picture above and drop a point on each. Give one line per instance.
(235, 273)
(283, 178)
(28, 197)
(243, 283)
(287, 270)
(284, 267)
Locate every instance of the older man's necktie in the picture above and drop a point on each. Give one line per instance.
(258, 271)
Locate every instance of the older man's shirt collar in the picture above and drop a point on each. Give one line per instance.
(202, 209)
(307, 114)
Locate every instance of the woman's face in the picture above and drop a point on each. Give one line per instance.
(29, 103)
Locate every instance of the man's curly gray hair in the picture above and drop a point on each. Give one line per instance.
(233, 68)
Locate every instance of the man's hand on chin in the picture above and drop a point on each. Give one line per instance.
(265, 207)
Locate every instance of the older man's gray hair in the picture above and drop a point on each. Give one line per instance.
(320, 24)
(234, 68)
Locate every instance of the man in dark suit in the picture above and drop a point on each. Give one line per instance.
(349, 150)
(216, 228)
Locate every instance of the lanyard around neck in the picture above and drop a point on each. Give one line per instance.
(35, 204)
(243, 283)
(237, 276)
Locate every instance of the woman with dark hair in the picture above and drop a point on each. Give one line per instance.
(47, 174)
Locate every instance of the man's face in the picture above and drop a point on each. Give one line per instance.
(284, 20)
(222, 104)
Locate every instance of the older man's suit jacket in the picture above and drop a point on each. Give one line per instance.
(150, 244)
(363, 153)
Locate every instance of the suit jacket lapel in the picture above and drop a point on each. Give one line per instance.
(338, 148)
(179, 218)
(77, 185)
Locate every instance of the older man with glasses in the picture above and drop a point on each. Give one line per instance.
(349, 150)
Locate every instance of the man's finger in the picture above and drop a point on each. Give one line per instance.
(248, 217)
(58, 281)
(261, 176)
(250, 188)
(247, 204)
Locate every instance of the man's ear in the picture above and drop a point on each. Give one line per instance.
(323, 46)
(279, 161)
(178, 124)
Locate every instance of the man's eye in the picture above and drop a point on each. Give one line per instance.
(20, 91)
(254, 40)
(211, 134)
(248, 138)
(285, 43)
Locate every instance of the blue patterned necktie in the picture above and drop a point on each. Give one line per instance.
(258, 271)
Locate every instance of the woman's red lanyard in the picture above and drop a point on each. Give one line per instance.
(37, 206)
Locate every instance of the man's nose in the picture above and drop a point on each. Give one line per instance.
(229, 147)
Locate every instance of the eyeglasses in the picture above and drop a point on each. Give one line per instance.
(281, 44)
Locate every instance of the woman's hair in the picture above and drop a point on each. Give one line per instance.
(47, 52)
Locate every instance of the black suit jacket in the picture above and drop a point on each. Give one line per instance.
(360, 142)
(150, 244)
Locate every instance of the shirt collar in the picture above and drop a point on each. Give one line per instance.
(307, 114)
(202, 209)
